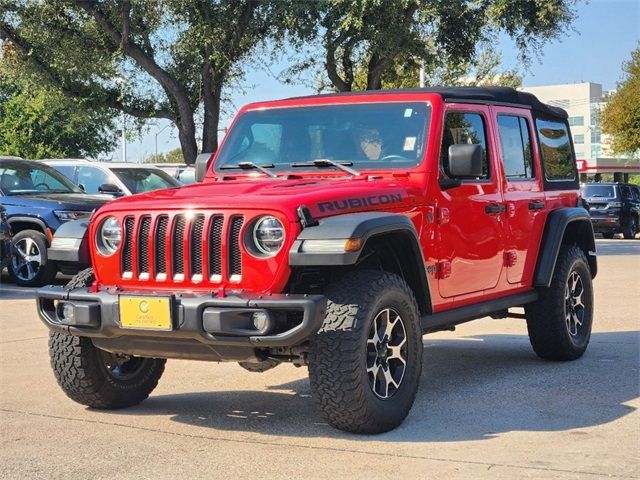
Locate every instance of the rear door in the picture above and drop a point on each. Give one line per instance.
(523, 194)
(470, 216)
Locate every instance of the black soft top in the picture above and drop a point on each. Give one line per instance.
(486, 95)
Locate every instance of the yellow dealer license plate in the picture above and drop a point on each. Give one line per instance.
(145, 313)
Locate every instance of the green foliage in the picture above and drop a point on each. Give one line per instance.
(621, 116)
(38, 122)
(172, 156)
(364, 42)
(174, 57)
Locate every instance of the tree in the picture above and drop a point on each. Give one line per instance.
(374, 38)
(38, 122)
(621, 115)
(482, 71)
(175, 56)
(172, 156)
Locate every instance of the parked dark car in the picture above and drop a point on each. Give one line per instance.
(38, 200)
(6, 247)
(614, 208)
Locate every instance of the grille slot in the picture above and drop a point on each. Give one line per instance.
(195, 244)
(160, 247)
(143, 247)
(177, 250)
(127, 248)
(235, 255)
(182, 247)
(215, 247)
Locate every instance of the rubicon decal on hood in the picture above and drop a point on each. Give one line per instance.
(357, 202)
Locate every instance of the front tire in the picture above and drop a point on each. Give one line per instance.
(559, 322)
(30, 266)
(97, 378)
(366, 360)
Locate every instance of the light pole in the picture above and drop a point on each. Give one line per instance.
(421, 74)
(121, 81)
(158, 133)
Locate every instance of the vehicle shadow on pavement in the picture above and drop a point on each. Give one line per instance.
(471, 388)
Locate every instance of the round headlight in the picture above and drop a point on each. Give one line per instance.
(268, 235)
(109, 236)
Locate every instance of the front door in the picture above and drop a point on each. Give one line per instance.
(523, 194)
(470, 216)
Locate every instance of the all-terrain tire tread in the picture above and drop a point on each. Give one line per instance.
(76, 364)
(547, 332)
(335, 356)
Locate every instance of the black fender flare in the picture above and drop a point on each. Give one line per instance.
(28, 219)
(71, 243)
(560, 223)
(364, 226)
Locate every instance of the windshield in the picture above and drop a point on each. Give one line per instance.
(22, 177)
(139, 180)
(604, 191)
(366, 136)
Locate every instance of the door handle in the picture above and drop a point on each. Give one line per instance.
(536, 205)
(494, 208)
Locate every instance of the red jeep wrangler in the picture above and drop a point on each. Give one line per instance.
(333, 232)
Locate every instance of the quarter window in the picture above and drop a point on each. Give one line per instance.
(556, 151)
(515, 143)
(465, 128)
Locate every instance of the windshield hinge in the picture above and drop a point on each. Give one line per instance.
(306, 219)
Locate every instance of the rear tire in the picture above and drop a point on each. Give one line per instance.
(97, 378)
(608, 235)
(559, 322)
(629, 232)
(30, 266)
(366, 360)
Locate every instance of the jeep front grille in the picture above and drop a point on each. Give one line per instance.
(178, 247)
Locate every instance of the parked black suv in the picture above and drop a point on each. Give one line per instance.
(614, 208)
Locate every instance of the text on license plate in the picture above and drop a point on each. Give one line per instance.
(145, 313)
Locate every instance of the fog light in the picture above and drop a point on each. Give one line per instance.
(68, 313)
(261, 320)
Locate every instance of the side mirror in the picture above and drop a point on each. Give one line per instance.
(110, 189)
(81, 186)
(202, 162)
(465, 161)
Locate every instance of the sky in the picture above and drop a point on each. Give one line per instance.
(602, 37)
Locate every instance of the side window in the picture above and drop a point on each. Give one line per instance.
(555, 146)
(462, 127)
(515, 143)
(91, 178)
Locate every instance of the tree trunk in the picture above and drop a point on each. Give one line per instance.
(211, 93)
(187, 137)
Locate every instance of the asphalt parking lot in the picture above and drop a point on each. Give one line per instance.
(487, 408)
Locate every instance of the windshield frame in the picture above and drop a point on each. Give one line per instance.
(37, 165)
(218, 169)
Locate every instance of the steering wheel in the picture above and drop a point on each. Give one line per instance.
(392, 157)
(38, 185)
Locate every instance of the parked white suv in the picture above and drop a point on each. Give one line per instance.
(113, 178)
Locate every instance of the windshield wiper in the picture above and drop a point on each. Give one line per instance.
(251, 166)
(325, 162)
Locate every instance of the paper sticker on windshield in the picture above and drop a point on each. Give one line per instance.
(408, 112)
(409, 144)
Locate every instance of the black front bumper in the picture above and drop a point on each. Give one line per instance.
(203, 327)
